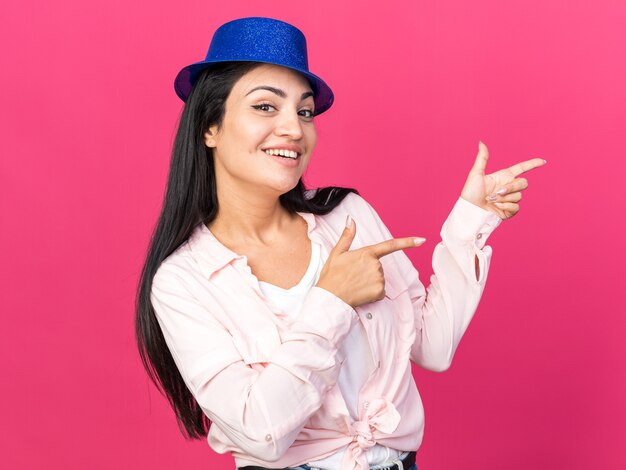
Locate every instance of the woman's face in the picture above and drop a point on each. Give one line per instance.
(269, 109)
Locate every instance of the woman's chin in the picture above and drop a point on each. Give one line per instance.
(285, 186)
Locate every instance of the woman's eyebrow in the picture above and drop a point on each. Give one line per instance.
(279, 92)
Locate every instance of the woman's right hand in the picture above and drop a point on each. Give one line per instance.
(357, 276)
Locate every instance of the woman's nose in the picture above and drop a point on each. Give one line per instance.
(289, 124)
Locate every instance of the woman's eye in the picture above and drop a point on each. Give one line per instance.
(308, 113)
(263, 106)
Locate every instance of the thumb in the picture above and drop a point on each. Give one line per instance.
(345, 240)
(481, 159)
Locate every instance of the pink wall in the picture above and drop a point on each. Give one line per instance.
(87, 117)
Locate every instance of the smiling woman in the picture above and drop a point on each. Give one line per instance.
(281, 322)
(268, 111)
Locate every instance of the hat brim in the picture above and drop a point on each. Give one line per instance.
(186, 78)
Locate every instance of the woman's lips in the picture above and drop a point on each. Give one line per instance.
(285, 161)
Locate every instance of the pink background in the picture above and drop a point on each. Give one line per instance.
(87, 117)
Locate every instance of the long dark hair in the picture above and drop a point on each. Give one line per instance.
(190, 198)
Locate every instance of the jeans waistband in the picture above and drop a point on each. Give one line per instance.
(407, 463)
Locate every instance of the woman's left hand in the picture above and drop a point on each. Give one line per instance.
(498, 192)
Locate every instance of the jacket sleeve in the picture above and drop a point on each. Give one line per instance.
(443, 311)
(261, 412)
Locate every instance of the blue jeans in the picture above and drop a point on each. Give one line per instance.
(306, 467)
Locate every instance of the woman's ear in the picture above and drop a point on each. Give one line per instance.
(209, 137)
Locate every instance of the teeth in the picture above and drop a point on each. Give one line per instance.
(282, 153)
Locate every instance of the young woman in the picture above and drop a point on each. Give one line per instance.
(280, 321)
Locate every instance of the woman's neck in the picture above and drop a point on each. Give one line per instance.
(250, 223)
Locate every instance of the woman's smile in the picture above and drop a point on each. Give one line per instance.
(288, 161)
(287, 155)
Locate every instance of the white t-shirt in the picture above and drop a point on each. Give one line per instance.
(356, 368)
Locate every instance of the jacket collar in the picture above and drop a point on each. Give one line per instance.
(212, 255)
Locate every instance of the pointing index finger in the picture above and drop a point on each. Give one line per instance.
(528, 165)
(394, 244)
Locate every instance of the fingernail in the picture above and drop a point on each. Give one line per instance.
(498, 204)
(545, 161)
(493, 197)
(418, 240)
(479, 142)
(348, 221)
(501, 191)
